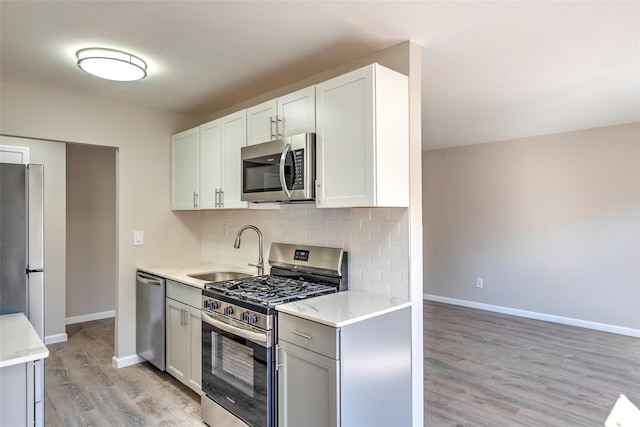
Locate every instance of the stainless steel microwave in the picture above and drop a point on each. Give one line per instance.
(283, 170)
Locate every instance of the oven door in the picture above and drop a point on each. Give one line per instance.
(237, 370)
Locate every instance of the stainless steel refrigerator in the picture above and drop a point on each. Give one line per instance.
(22, 256)
(21, 242)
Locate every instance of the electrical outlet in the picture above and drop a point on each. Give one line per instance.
(479, 282)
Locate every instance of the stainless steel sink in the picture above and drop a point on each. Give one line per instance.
(219, 276)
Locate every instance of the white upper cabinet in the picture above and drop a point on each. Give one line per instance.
(362, 139)
(185, 180)
(288, 115)
(206, 165)
(210, 164)
(234, 137)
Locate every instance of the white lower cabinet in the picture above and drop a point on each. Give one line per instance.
(21, 395)
(184, 334)
(303, 377)
(354, 375)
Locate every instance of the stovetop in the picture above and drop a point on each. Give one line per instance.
(269, 290)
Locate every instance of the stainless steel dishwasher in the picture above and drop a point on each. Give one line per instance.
(150, 328)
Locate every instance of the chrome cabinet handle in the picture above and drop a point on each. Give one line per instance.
(271, 123)
(283, 159)
(277, 356)
(219, 200)
(195, 200)
(279, 133)
(300, 334)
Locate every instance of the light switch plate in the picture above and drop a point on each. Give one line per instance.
(138, 238)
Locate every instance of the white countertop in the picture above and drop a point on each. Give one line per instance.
(179, 272)
(19, 342)
(343, 308)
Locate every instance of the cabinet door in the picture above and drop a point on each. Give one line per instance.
(345, 140)
(185, 155)
(210, 164)
(234, 137)
(195, 349)
(308, 388)
(176, 339)
(260, 122)
(297, 112)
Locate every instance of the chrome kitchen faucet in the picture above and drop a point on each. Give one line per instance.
(236, 244)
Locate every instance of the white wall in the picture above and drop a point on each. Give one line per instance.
(142, 138)
(91, 232)
(52, 156)
(552, 224)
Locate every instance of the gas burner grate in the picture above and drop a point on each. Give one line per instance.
(270, 290)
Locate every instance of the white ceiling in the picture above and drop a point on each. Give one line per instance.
(491, 70)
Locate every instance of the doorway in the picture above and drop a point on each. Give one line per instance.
(91, 232)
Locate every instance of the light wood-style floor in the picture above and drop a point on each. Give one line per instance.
(83, 389)
(480, 369)
(489, 369)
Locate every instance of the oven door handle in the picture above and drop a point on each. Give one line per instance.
(251, 336)
(283, 160)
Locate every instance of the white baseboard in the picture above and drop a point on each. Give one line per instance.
(537, 316)
(123, 362)
(89, 317)
(53, 339)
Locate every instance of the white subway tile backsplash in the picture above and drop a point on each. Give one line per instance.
(359, 237)
(360, 213)
(381, 214)
(399, 239)
(391, 277)
(381, 288)
(359, 284)
(391, 252)
(351, 225)
(343, 213)
(328, 214)
(382, 264)
(371, 226)
(400, 265)
(371, 275)
(372, 251)
(376, 239)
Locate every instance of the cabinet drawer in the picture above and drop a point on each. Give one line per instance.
(313, 336)
(184, 293)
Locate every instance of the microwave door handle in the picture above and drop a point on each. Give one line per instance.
(283, 159)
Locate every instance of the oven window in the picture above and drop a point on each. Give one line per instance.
(233, 363)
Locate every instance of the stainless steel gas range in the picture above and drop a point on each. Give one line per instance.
(238, 331)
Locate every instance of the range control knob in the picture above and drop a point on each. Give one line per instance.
(245, 316)
(228, 310)
(253, 318)
(213, 304)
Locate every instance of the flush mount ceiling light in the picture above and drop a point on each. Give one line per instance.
(111, 64)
